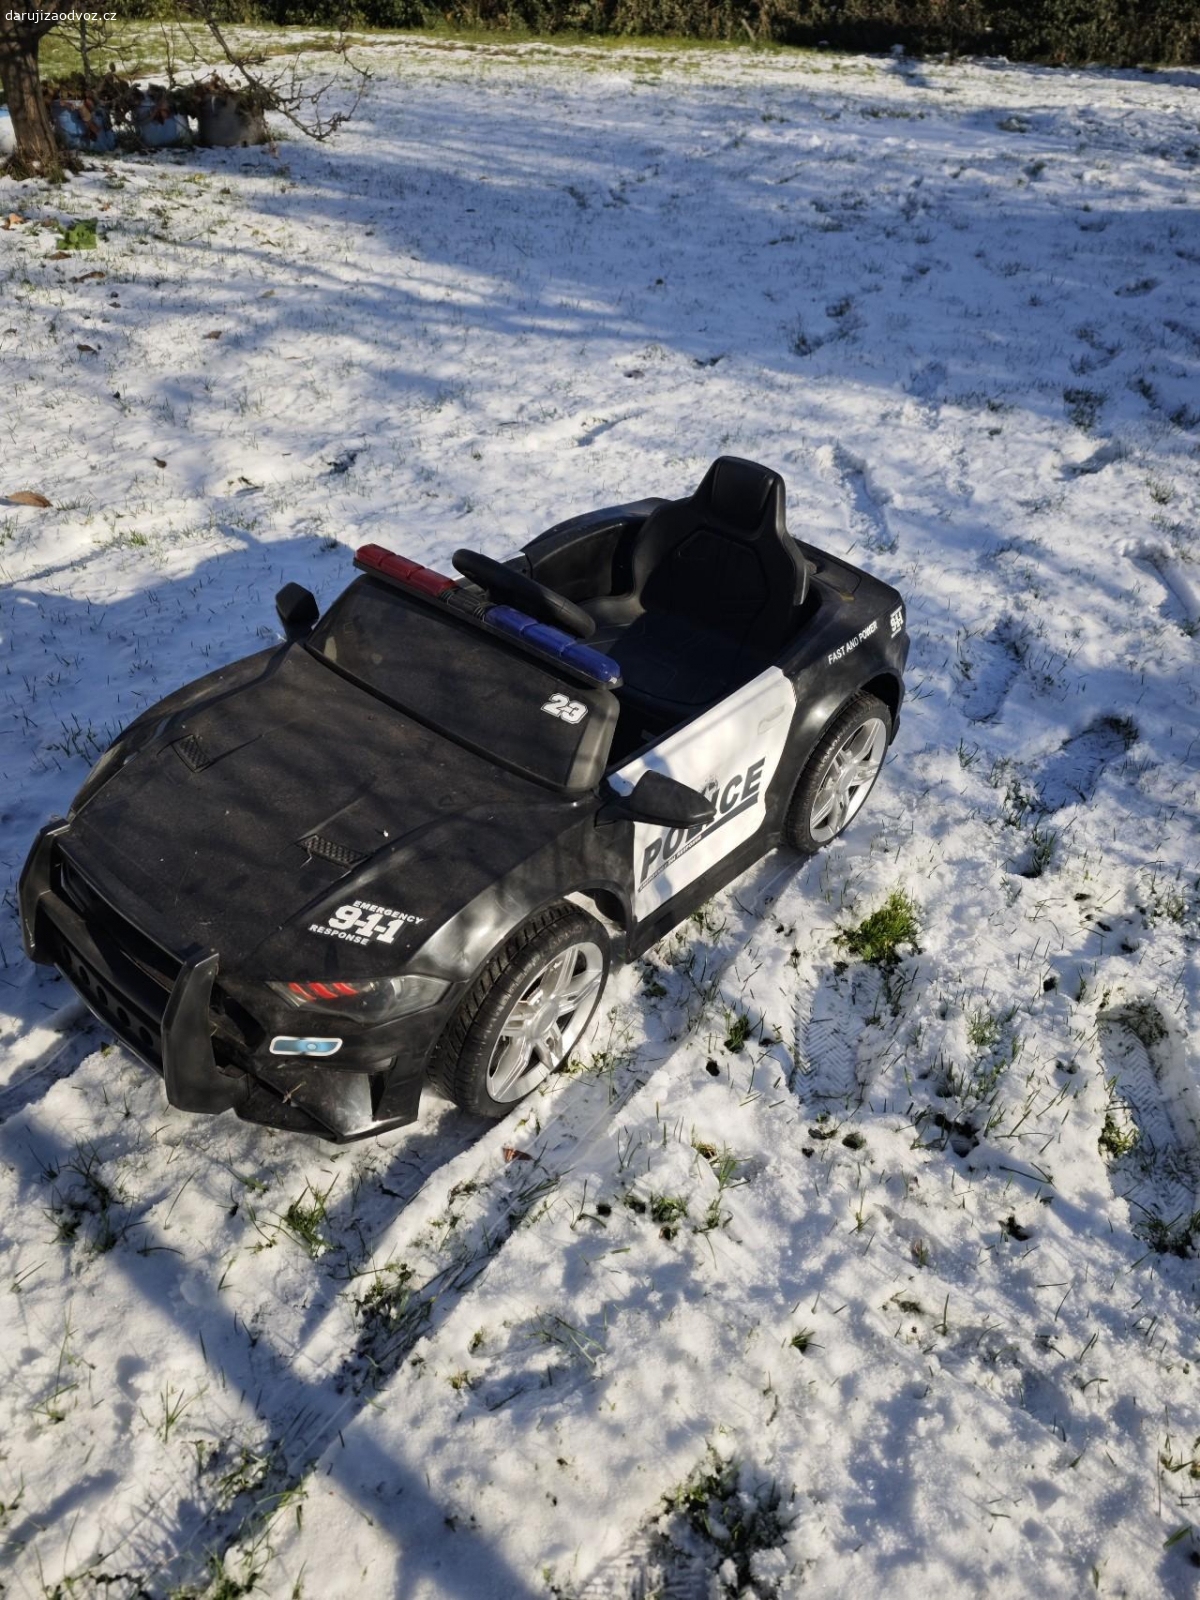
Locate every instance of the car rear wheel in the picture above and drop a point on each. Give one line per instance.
(841, 773)
(525, 1013)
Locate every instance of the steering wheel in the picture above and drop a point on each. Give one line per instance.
(526, 594)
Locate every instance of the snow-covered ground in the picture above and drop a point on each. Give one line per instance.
(823, 1276)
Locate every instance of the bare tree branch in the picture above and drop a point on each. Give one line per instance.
(288, 90)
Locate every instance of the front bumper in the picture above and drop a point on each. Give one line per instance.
(169, 1012)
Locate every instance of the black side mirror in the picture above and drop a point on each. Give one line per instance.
(297, 610)
(657, 798)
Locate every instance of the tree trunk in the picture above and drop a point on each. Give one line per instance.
(37, 151)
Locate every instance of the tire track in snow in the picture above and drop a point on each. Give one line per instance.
(1159, 1176)
(829, 1020)
(50, 1050)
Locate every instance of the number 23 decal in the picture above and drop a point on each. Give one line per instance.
(565, 709)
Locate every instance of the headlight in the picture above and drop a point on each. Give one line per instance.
(369, 999)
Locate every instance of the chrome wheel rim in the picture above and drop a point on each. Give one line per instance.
(545, 1022)
(848, 779)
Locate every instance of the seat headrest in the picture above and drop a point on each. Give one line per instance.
(744, 496)
(748, 502)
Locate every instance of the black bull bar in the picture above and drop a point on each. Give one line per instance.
(175, 1037)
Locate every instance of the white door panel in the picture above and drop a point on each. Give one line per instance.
(730, 754)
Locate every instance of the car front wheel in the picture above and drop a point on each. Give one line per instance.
(524, 1014)
(841, 773)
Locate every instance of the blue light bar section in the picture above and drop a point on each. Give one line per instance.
(594, 662)
(554, 642)
(505, 620)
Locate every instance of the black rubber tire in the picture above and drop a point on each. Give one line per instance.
(460, 1061)
(796, 819)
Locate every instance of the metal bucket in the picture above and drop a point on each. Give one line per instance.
(81, 131)
(225, 122)
(158, 127)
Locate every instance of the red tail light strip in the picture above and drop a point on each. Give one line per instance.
(322, 991)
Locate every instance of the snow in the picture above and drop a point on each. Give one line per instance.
(822, 1276)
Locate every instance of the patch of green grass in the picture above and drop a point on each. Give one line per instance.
(737, 1519)
(90, 1196)
(12, 1503)
(1116, 1141)
(245, 1474)
(514, 33)
(1083, 407)
(725, 1166)
(706, 919)
(1144, 1021)
(985, 1028)
(1176, 1238)
(878, 938)
(667, 1210)
(1043, 842)
(174, 1403)
(387, 1298)
(553, 1329)
(50, 1406)
(739, 1026)
(79, 235)
(304, 1219)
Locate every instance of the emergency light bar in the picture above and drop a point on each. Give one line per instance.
(536, 636)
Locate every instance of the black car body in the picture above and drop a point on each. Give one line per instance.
(320, 846)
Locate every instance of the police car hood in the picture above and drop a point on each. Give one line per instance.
(298, 825)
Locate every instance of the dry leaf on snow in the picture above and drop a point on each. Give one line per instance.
(27, 497)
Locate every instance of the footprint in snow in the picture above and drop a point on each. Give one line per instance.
(1072, 773)
(679, 1550)
(1180, 602)
(989, 671)
(646, 1568)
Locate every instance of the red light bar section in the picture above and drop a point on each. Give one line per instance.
(374, 558)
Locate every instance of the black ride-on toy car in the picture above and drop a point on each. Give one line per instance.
(405, 844)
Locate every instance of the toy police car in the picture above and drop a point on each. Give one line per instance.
(405, 844)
